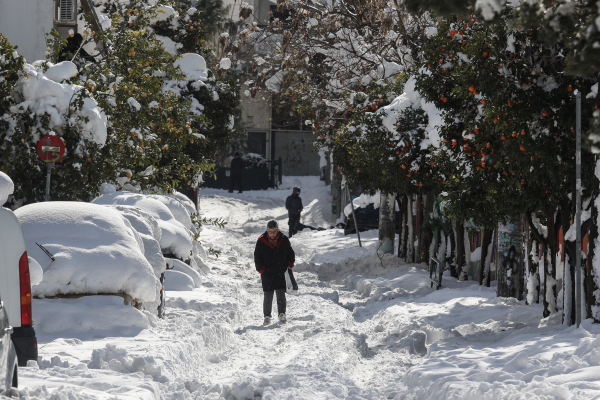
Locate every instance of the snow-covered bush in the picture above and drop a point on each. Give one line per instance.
(253, 160)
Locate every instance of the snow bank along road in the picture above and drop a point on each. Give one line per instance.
(360, 328)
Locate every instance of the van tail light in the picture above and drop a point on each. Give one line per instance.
(26, 316)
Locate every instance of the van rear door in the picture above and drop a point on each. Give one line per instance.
(12, 248)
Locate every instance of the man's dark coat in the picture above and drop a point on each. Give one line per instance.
(272, 261)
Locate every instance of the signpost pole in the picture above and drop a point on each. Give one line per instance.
(49, 171)
(353, 214)
(578, 212)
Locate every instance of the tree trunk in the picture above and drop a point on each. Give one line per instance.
(410, 234)
(402, 229)
(386, 223)
(459, 232)
(426, 233)
(485, 243)
(522, 273)
(589, 283)
(336, 196)
(533, 276)
(550, 265)
(452, 259)
(568, 269)
(536, 235)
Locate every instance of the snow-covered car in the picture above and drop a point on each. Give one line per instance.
(8, 355)
(15, 283)
(89, 249)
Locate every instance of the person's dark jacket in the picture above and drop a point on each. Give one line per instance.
(272, 261)
(294, 205)
(70, 50)
(237, 166)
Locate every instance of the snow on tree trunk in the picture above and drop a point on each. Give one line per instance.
(386, 223)
(533, 275)
(483, 261)
(549, 285)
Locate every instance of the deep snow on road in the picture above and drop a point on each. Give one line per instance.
(360, 328)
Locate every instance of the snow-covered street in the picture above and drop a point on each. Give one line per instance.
(360, 328)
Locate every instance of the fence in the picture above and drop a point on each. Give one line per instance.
(252, 178)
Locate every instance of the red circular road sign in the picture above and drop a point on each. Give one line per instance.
(51, 149)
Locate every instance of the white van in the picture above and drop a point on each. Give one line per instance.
(15, 287)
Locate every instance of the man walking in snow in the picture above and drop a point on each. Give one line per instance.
(294, 206)
(237, 169)
(273, 255)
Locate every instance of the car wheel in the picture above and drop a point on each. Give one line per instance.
(15, 378)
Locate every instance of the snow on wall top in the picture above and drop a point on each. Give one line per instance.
(95, 250)
(6, 187)
(175, 238)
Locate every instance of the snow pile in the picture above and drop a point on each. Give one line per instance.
(88, 317)
(178, 281)
(61, 71)
(178, 208)
(175, 237)
(146, 227)
(193, 273)
(193, 66)
(412, 99)
(36, 273)
(44, 96)
(225, 63)
(95, 250)
(169, 44)
(6, 187)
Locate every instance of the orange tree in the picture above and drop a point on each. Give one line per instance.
(384, 143)
(509, 124)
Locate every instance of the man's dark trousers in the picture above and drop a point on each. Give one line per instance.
(292, 222)
(235, 178)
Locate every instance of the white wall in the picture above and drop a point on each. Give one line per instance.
(24, 23)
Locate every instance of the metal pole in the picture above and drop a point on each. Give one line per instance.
(49, 169)
(578, 214)
(353, 215)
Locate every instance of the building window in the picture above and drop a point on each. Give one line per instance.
(257, 143)
(67, 10)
